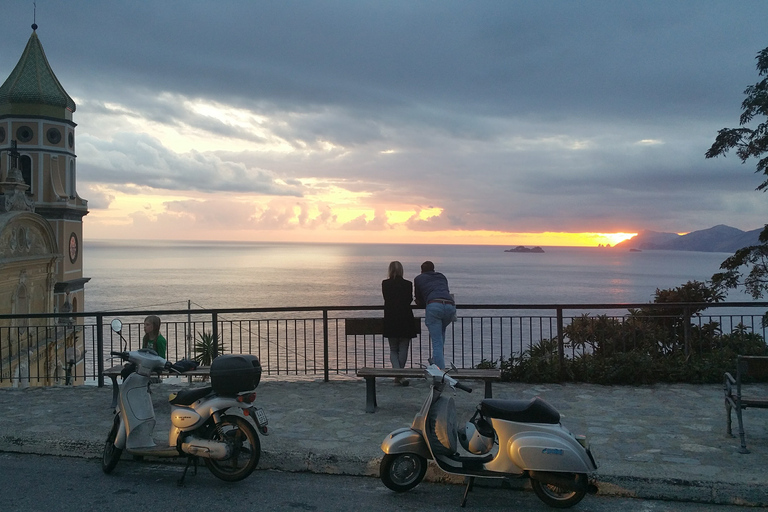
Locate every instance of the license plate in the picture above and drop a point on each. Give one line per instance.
(261, 416)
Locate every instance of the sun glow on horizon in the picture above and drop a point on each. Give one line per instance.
(184, 216)
(615, 238)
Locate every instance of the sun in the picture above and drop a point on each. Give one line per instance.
(615, 238)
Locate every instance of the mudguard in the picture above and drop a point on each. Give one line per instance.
(120, 436)
(540, 451)
(405, 440)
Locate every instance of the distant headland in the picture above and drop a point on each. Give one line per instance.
(719, 238)
(520, 248)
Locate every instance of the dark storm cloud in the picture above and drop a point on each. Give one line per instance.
(518, 115)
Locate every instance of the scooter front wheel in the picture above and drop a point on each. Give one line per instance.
(557, 497)
(244, 447)
(402, 471)
(111, 453)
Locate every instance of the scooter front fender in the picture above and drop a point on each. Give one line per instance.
(405, 440)
(121, 435)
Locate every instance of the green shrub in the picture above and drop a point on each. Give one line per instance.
(485, 364)
(637, 366)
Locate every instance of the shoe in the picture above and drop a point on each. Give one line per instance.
(404, 382)
(398, 381)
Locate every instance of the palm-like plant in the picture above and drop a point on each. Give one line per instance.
(204, 347)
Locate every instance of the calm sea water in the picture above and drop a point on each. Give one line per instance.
(148, 274)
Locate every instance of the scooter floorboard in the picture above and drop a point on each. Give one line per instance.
(155, 451)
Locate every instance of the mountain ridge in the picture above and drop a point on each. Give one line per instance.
(720, 238)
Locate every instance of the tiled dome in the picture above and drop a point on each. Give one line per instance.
(32, 80)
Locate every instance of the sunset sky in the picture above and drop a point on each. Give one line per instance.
(483, 122)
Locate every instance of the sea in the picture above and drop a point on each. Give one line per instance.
(141, 274)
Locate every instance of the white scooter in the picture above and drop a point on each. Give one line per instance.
(503, 439)
(201, 425)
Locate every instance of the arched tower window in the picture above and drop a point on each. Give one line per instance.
(25, 163)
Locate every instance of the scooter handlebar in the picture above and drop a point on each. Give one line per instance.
(463, 387)
(121, 355)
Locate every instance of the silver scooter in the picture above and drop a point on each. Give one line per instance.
(503, 439)
(202, 424)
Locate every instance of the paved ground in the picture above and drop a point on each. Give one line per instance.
(665, 441)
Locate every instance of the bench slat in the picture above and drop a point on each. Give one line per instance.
(370, 326)
(469, 373)
(197, 372)
(754, 402)
(370, 375)
(114, 372)
(363, 326)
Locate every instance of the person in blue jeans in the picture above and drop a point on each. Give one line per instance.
(432, 294)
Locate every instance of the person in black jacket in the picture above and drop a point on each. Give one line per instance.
(399, 324)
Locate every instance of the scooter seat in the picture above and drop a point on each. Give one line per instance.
(535, 410)
(190, 396)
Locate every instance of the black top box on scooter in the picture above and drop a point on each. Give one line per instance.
(234, 373)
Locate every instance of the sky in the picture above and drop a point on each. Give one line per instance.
(472, 122)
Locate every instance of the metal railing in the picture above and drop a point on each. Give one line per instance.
(52, 349)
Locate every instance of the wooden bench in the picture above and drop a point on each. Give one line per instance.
(370, 375)
(114, 372)
(753, 366)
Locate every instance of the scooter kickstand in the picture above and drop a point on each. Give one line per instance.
(470, 483)
(190, 460)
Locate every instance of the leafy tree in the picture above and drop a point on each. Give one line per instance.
(692, 291)
(748, 143)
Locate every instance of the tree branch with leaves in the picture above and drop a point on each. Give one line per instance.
(748, 143)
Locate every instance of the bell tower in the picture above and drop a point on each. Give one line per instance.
(36, 115)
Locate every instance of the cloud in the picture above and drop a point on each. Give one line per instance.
(509, 116)
(139, 159)
(377, 223)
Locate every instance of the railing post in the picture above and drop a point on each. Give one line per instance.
(100, 348)
(189, 338)
(326, 376)
(215, 333)
(687, 331)
(560, 348)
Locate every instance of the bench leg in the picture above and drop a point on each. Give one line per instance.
(742, 436)
(488, 389)
(728, 428)
(370, 394)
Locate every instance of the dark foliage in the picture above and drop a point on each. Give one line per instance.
(748, 143)
(651, 345)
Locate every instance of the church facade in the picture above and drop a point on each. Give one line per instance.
(41, 226)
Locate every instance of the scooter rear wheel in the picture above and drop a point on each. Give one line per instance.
(555, 496)
(111, 454)
(402, 471)
(244, 445)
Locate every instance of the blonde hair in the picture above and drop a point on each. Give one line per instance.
(395, 270)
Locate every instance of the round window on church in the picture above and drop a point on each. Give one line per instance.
(53, 135)
(73, 248)
(24, 134)
(2, 134)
